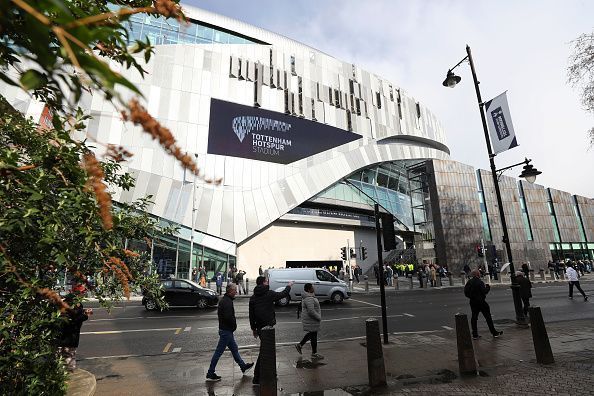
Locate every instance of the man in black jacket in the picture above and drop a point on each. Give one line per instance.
(74, 316)
(477, 291)
(262, 311)
(227, 325)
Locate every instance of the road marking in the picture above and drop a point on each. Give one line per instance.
(150, 317)
(409, 315)
(176, 350)
(166, 349)
(447, 327)
(128, 331)
(177, 331)
(416, 332)
(365, 302)
(188, 328)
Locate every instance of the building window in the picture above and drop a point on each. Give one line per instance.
(525, 217)
(553, 216)
(484, 214)
(578, 216)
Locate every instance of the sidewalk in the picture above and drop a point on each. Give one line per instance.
(416, 363)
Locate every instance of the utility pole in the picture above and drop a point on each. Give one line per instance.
(380, 263)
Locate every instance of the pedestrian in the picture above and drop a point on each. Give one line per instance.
(420, 276)
(476, 291)
(551, 268)
(572, 278)
(73, 318)
(260, 271)
(433, 276)
(227, 325)
(202, 277)
(195, 275)
(389, 275)
(239, 282)
(526, 270)
(466, 270)
(219, 283)
(261, 312)
(311, 317)
(525, 290)
(376, 273)
(356, 273)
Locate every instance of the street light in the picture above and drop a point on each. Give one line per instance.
(529, 174)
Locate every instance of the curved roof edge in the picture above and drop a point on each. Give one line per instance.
(410, 139)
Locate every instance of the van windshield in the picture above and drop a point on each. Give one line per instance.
(325, 276)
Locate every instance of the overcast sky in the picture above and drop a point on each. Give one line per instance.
(519, 46)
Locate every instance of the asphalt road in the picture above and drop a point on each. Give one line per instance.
(130, 330)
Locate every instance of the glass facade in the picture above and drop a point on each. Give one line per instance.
(484, 214)
(553, 217)
(525, 217)
(578, 217)
(573, 251)
(169, 31)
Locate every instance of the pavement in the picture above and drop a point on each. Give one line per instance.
(417, 363)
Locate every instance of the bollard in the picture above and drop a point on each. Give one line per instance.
(396, 285)
(553, 275)
(466, 360)
(451, 279)
(410, 285)
(247, 287)
(424, 282)
(439, 281)
(500, 277)
(267, 362)
(562, 275)
(542, 346)
(375, 355)
(208, 284)
(542, 274)
(366, 284)
(531, 274)
(462, 276)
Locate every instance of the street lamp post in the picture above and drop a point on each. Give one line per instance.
(451, 81)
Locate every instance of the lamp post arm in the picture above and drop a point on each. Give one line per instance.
(493, 169)
(526, 161)
(459, 63)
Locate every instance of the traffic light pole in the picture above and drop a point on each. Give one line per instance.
(380, 264)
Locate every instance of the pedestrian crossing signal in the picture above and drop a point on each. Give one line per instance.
(343, 253)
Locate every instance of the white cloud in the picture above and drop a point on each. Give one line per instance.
(521, 47)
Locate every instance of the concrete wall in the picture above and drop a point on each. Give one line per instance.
(587, 211)
(283, 241)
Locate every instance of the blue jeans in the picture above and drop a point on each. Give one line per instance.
(226, 339)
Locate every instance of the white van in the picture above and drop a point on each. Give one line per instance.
(326, 285)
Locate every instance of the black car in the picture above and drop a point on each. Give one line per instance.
(182, 292)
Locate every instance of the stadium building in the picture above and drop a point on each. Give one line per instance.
(305, 145)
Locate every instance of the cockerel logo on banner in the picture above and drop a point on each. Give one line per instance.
(499, 124)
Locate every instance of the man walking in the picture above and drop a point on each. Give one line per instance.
(572, 278)
(261, 310)
(525, 290)
(477, 291)
(227, 325)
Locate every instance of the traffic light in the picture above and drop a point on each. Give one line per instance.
(479, 251)
(363, 252)
(388, 231)
(343, 253)
(353, 254)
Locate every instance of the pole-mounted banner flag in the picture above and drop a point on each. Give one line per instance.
(500, 125)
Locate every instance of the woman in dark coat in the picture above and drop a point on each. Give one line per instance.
(73, 320)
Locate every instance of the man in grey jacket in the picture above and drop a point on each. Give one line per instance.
(311, 317)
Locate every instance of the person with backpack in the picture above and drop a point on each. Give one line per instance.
(476, 291)
(311, 317)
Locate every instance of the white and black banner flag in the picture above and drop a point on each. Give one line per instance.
(500, 125)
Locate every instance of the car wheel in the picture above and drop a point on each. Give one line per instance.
(150, 305)
(202, 304)
(337, 297)
(283, 302)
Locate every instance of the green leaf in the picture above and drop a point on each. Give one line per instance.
(32, 79)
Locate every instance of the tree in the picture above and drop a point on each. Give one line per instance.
(581, 72)
(56, 213)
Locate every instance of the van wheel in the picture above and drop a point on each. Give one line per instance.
(337, 297)
(283, 302)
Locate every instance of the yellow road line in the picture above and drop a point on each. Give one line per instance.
(166, 349)
(178, 331)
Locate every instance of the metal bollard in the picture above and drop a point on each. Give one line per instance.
(553, 275)
(375, 355)
(410, 285)
(424, 281)
(396, 285)
(451, 279)
(466, 360)
(540, 338)
(267, 362)
(247, 287)
(542, 274)
(531, 274)
(366, 284)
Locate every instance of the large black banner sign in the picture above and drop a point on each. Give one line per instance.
(249, 132)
